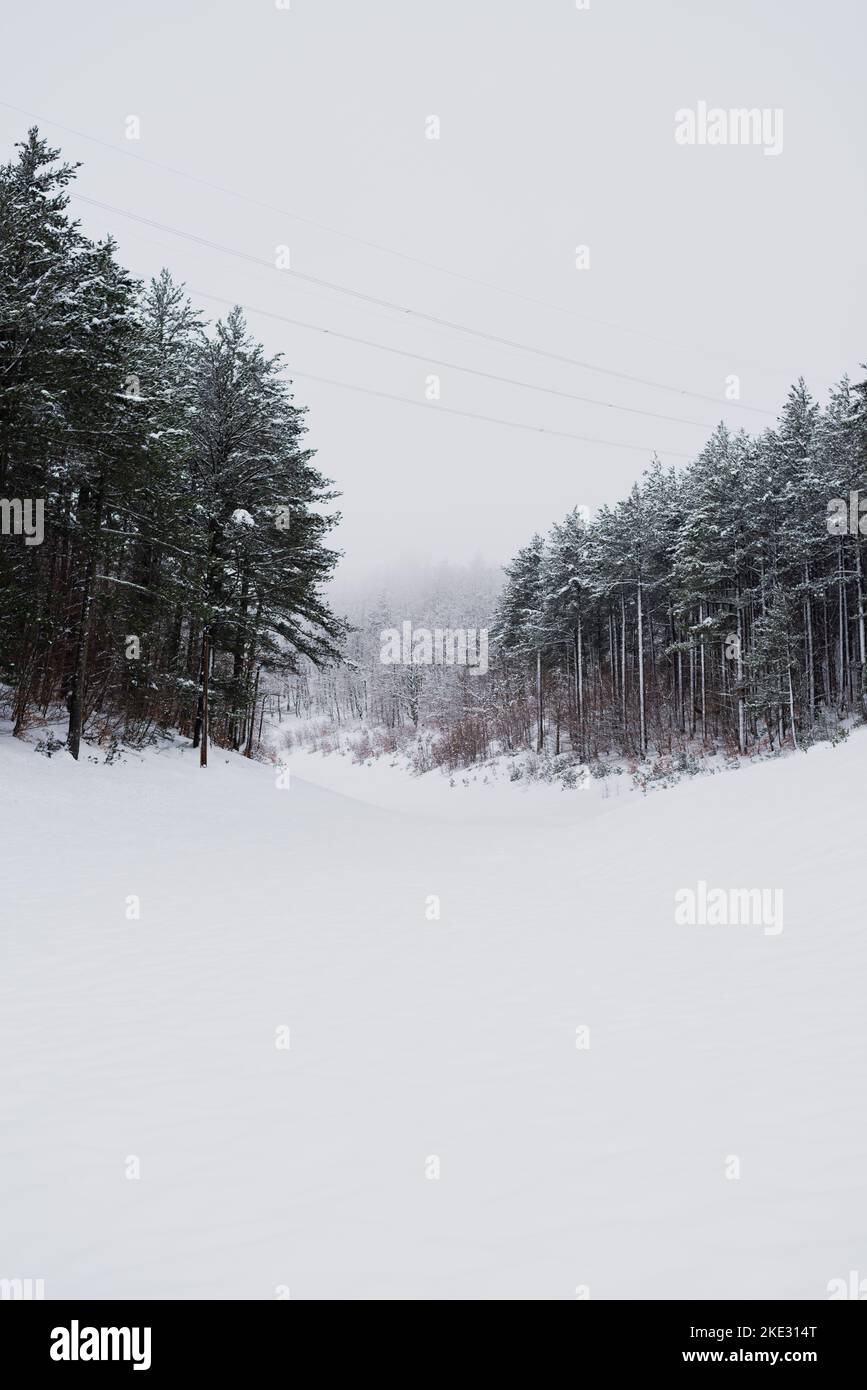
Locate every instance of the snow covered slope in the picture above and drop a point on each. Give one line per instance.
(150, 1045)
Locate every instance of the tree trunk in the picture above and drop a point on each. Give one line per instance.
(840, 628)
(206, 663)
(861, 660)
(79, 674)
(703, 693)
(742, 730)
(642, 717)
(623, 659)
(692, 663)
(792, 704)
(579, 683)
(808, 627)
(248, 751)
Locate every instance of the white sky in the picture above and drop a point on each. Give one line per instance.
(557, 129)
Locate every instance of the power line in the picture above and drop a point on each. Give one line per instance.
(393, 251)
(488, 419)
(414, 313)
(403, 400)
(451, 366)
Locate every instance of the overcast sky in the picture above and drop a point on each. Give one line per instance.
(556, 131)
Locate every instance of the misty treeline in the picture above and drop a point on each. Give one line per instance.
(183, 526)
(366, 706)
(722, 605)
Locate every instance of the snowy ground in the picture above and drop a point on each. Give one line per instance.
(560, 1167)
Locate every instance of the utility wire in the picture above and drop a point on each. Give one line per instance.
(414, 313)
(393, 251)
(451, 366)
(488, 419)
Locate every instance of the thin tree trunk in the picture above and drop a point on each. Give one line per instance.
(206, 662)
(742, 731)
(248, 751)
(703, 692)
(808, 627)
(642, 716)
(861, 648)
(577, 641)
(840, 627)
(692, 662)
(623, 659)
(792, 704)
(79, 674)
